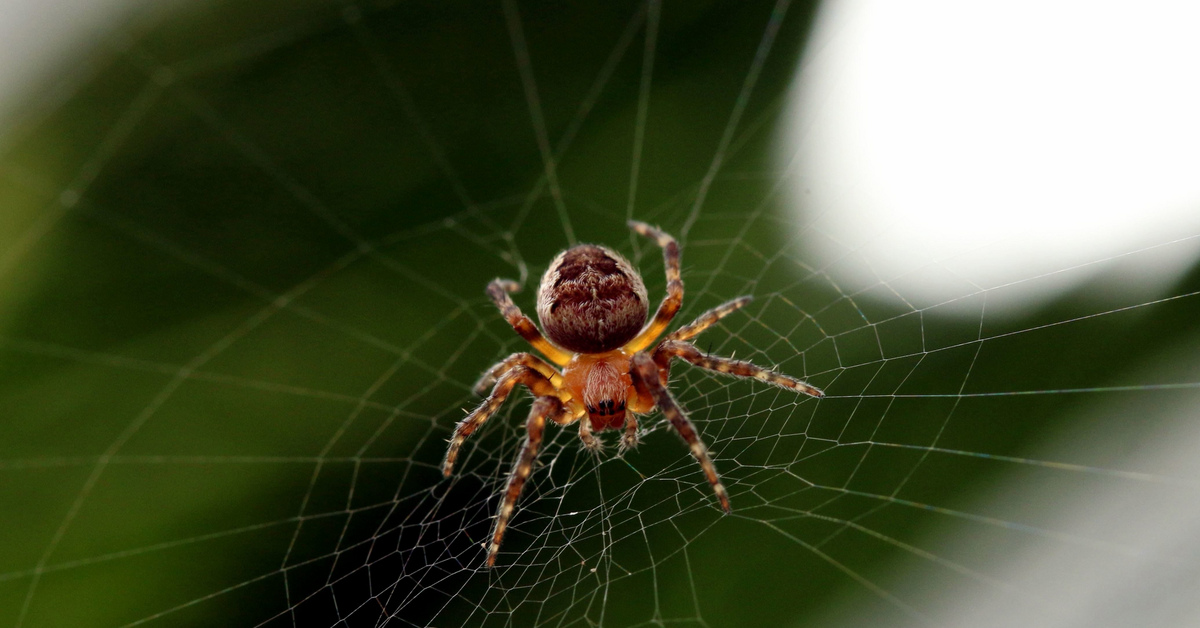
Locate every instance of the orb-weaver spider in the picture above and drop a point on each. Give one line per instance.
(593, 305)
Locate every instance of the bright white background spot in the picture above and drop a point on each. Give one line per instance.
(39, 36)
(951, 146)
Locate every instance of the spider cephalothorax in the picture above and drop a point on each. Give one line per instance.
(592, 304)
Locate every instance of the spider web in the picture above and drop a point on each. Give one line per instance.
(243, 308)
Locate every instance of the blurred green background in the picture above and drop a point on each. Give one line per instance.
(241, 305)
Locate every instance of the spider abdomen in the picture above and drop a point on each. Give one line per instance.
(591, 300)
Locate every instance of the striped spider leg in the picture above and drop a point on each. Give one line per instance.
(547, 405)
(543, 408)
(688, 352)
(648, 381)
(651, 371)
(537, 383)
(499, 290)
(673, 301)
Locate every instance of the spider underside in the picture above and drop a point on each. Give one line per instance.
(593, 306)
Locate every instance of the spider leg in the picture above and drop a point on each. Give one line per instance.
(543, 408)
(498, 290)
(671, 303)
(689, 353)
(645, 377)
(490, 376)
(629, 439)
(535, 381)
(708, 319)
(589, 440)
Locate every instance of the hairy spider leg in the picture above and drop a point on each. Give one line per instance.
(671, 303)
(585, 434)
(708, 319)
(640, 401)
(529, 360)
(668, 349)
(629, 439)
(499, 290)
(543, 408)
(646, 377)
(535, 381)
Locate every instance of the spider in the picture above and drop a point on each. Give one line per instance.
(593, 305)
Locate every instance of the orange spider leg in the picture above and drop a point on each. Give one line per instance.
(708, 319)
(646, 377)
(490, 376)
(629, 439)
(574, 410)
(639, 400)
(543, 408)
(498, 290)
(671, 303)
(689, 353)
(535, 381)
(585, 433)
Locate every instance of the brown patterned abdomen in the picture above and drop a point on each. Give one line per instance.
(591, 300)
